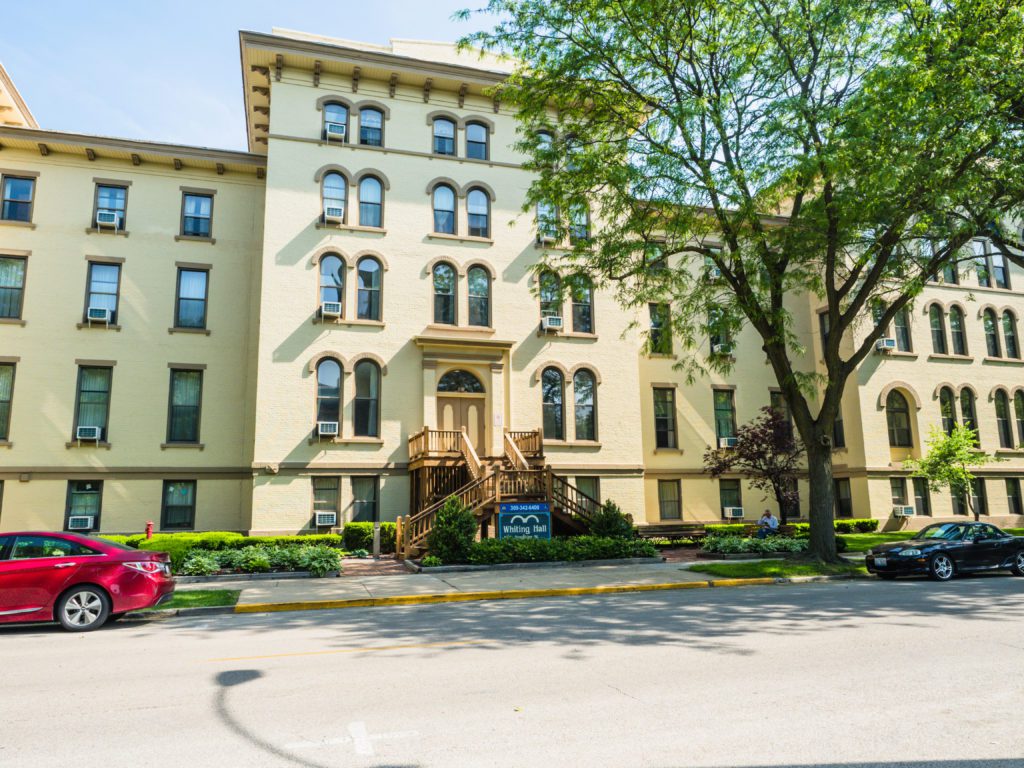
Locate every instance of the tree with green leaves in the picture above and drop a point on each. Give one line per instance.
(948, 463)
(788, 156)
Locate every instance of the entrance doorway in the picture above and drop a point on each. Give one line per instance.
(461, 402)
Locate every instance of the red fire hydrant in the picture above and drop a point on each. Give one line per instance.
(149, 529)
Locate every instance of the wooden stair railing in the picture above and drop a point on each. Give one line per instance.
(433, 441)
(529, 443)
(514, 455)
(572, 500)
(474, 496)
(471, 457)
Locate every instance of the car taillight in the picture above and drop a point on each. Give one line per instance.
(146, 566)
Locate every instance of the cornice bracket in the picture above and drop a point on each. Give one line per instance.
(356, 74)
(392, 84)
(316, 73)
(462, 94)
(427, 85)
(278, 64)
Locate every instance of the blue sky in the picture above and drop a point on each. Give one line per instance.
(169, 71)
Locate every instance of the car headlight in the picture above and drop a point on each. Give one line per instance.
(912, 552)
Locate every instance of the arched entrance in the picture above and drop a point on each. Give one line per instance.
(461, 403)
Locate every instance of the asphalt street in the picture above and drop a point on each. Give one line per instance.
(910, 674)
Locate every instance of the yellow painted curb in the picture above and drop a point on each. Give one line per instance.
(508, 594)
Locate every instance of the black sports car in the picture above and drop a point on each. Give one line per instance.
(944, 549)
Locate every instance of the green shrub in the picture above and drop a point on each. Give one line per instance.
(430, 561)
(856, 525)
(726, 529)
(319, 560)
(360, 536)
(610, 522)
(453, 532)
(200, 563)
(736, 545)
(360, 553)
(497, 551)
(255, 560)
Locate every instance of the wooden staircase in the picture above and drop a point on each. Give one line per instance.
(444, 463)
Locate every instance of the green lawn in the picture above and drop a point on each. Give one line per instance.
(200, 598)
(862, 542)
(774, 569)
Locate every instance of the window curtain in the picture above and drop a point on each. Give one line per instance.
(185, 394)
(12, 280)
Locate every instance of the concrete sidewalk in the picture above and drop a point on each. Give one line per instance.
(416, 588)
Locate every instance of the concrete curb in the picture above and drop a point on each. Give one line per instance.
(166, 613)
(268, 576)
(517, 594)
(413, 566)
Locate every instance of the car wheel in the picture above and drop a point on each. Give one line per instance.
(941, 567)
(1018, 564)
(83, 609)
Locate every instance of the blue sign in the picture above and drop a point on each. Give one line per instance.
(521, 520)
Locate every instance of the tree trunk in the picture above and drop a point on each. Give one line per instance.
(822, 502)
(783, 508)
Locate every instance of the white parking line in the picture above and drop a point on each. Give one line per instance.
(361, 739)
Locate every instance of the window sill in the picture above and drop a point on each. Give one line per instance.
(674, 451)
(101, 326)
(200, 331)
(194, 446)
(87, 444)
(106, 231)
(12, 223)
(1003, 360)
(904, 355)
(194, 239)
(572, 444)
(6, 444)
(11, 321)
(568, 335)
(951, 358)
(347, 441)
(342, 321)
(352, 228)
(468, 329)
(461, 238)
(661, 355)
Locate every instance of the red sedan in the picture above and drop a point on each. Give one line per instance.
(79, 581)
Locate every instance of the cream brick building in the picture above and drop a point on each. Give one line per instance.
(237, 340)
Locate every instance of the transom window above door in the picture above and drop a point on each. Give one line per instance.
(462, 382)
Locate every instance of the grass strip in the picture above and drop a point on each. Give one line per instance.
(776, 569)
(199, 598)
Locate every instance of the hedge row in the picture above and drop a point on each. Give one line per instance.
(318, 559)
(846, 525)
(735, 545)
(495, 551)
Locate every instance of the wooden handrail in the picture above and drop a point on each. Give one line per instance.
(529, 442)
(472, 460)
(572, 499)
(433, 441)
(473, 495)
(515, 456)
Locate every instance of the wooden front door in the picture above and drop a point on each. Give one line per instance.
(456, 412)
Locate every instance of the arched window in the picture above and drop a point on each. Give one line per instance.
(991, 333)
(478, 206)
(371, 127)
(335, 122)
(579, 224)
(369, 272)
(947, 409)
(582, 292)
(544, 140)
(335, 189)
(956, 331)
(479, 284)
(1003, 426)
(1010, 335)
(371, 199)
(462, 382)
(552, 394)
(897, 414)
(1018, 415)
(547, 222)
(550, 295)
(332, 280)
(444, 209)
(476, 141)
(968, 413)
(366, 413)
(938, 326)
(444, 136)
(584, 387)
(444, 294)
(328, 391)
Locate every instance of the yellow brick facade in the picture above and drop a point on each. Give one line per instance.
(258, 456)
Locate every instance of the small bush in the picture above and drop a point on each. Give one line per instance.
(736, 545)
(255, 560)
(728, 529)
(856, 525)
(360, 553)
(497, 551)
(430, 561)
(452, 535)
(319, 560)
(610, 522)
(360, 536)
(200, 563)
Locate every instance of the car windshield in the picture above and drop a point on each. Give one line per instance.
(947, 531)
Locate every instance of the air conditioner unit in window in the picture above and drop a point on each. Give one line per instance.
(334, 213)
(325, 519)
(721, 349)
(885, 345)
(335, 131)
(901, 510)
(330, 309)
(732, 512)
(727, 442)
(551, 323)
(327, 428)
(714, 273)
(98, 315)
(80, 523)
(107, 219)
(88, 433)
(546, 239)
